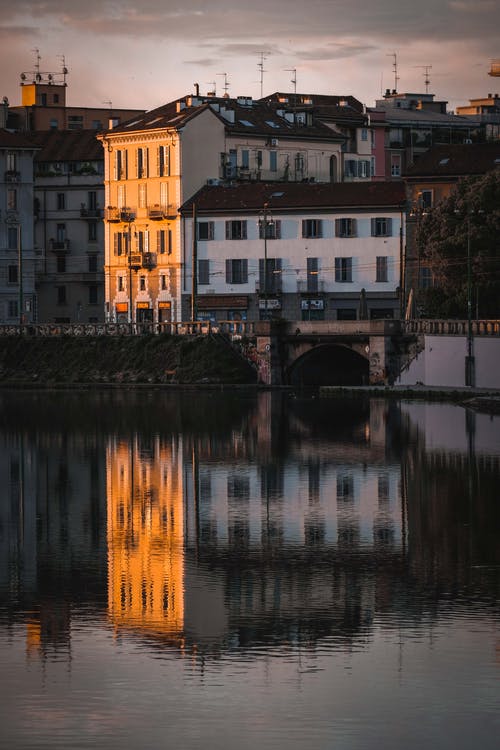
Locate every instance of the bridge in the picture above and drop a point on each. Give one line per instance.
(305, 353)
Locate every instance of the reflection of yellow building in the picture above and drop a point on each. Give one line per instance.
(145, 536)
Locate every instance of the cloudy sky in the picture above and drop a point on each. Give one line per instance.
(143, 54)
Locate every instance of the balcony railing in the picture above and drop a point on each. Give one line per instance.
(112, 213)
(158, 212)
(149, 260)
(310, 286)
(90, 213)
(12, 175)
(59, 245)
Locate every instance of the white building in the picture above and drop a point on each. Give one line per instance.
(295, 250)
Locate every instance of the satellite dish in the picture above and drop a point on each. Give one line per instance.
(23, 76)
(50, 76)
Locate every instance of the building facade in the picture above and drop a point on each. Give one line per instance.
(18, 258)
(296, 251)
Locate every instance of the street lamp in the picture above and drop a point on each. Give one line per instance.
(265, 222)
(131, 266)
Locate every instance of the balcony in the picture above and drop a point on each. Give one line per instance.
(91, 213)
(12, 175)
(112, 213)
(158, 212)
(135, 261)
(59, 245)
(149, 260)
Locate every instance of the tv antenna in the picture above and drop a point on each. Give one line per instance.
(426, 74)
(214, 89)
(226, 83)
(260, 66)
(293, 79)
(395, 69)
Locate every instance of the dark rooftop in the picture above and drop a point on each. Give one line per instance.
(67, 145)
(14, 140)
(456, 160)
(282, 196)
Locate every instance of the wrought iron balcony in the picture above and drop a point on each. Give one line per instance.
(90, 213)
(149, 260)
(12, 175)
(59, 245)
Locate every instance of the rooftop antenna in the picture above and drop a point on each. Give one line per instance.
(260, 66)
(293, 79)
(426, 75)
(38, 76)
(395, 69)
(64, 68)
(226, 83)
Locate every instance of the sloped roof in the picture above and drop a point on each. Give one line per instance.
(67, 145)
(302, 100)
(284, 196)
(14, 140)
(248, 117)
(456, 160)
(422, 117)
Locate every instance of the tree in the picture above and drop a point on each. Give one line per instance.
(467, 221)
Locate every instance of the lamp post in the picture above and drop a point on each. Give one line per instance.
(264, 222)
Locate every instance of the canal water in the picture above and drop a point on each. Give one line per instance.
(247, 570)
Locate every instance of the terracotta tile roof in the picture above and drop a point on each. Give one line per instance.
(284, 196)
(456, 160)
(14, 140)
(67, 145)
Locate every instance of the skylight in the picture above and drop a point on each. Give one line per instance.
(444, 161)
(277, 195)
(131, 124)
(152, 122)
(272, 124)
(247, 123)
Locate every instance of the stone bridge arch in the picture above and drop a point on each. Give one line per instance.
(327, 364)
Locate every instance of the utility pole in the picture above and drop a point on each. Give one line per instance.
(194, 263)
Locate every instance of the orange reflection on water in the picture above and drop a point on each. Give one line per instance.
(145, 518)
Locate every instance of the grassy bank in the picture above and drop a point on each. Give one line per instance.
(121, 360)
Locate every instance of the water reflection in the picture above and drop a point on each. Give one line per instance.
(212, 525)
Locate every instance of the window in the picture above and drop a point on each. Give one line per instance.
(163, 161)
(121, 243)
(426, 199)
(245, 159)
(61, 264)
(270, 278)
(273, 161)
(381, 227)
(92, 231)
(143, 241)
(92, 200)
(61, 201)
(164, 241)
(93, 294)
(60, 233)
(272, 229)
(92, 263)
(121, 196)
(142, 283)
(54, 123)
(11, 161)
(142, 162)
(364, 168)
(382, 272)
(12, 238)
(61, 295)
(345, 227)
(203, 271)
(395, 165)
(237, 271)
(312, 228)
(12, 275)
(11, 199)
(343, 270)
(364, 134)
(312, 274)
(164, 194)
(121, 285)
(75, 122)
(350, 168)
(236, 230)
(205, 230)
(142, 195)
(12, 308)
(121, 165)
(163, 282)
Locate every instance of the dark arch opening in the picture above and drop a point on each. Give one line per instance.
(329, 364)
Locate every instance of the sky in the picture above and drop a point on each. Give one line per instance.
(141, 55)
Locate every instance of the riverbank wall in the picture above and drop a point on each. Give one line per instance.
(121, 360)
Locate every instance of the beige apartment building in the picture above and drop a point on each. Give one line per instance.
(155, 162)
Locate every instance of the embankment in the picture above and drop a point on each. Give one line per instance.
(106, 360)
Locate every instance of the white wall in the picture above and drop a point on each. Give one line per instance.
(442, 362)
